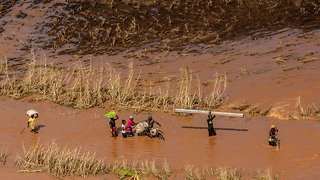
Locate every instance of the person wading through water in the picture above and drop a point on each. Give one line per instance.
(130, 125)
(211, 130)
(112, 123)
(123, 129)
(273, 139)
(32, 120)
(150, 122)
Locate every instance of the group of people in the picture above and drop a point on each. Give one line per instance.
(273, 131)
(127, 127)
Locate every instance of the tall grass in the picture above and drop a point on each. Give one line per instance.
(262, 175)
(193, 173)
(293, 109)
(62, 162)
(85, 87)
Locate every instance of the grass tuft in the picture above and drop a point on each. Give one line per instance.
(3, 156)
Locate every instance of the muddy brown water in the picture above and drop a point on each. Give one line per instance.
(298, 157)
(254, 78)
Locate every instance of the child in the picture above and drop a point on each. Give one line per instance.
(123, 129)
(32, 120)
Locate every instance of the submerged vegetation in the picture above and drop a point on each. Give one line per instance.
(3, 156)
(62, 162)
(192, 173)
(86, 86)
(108, 26)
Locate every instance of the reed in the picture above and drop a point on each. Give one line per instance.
(264, 175)
(229, 173)
(61, 162)
(85, 87)
(193, 173)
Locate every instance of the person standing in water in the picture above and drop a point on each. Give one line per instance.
(112, 123)
(123, 129)
(211, 130)
(33, 114)
(130, 125)
(273, 139)
(151, 122)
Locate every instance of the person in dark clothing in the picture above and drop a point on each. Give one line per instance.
(211, 130)
(273, 140)
(112, 124)
(151, 122)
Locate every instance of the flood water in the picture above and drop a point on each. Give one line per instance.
(298, 157)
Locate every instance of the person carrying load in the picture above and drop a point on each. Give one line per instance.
(150, 122)
(273, 139)
(112, 115)
(211, 130)
(33, 114)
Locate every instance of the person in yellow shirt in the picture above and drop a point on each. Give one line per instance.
(32, 121)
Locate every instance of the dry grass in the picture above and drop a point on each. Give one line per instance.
(85, 87)
(293, 109)
(192, 173)
(264, 175)
(3, 156)
(108, 26)
(190, 96)
(229, 173)
(250, 109)
(63, 162)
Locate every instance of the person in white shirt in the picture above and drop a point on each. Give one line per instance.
(123, 129)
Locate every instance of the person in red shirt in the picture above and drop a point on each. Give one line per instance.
(130, 125)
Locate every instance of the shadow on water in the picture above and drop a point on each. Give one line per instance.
(38, 127)
(224, 129)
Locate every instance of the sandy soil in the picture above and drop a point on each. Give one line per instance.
(265, 71)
